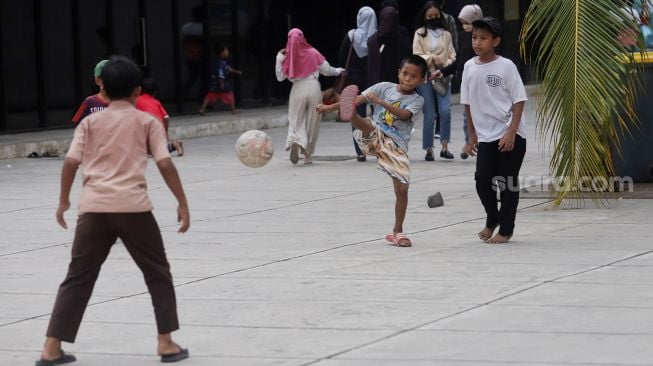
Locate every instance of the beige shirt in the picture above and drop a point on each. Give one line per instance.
(112, 146)
(437, 51)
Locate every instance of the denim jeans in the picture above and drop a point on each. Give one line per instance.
(465, 126)
(444, 107)
(362, 111)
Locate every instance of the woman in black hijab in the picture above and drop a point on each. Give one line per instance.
(386, 48)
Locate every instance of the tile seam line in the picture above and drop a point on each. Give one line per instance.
(252, 267)
(472, 308)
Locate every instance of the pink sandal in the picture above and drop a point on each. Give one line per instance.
(347, 106)
(399, 240)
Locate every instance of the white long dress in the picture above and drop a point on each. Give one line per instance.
(303, 119)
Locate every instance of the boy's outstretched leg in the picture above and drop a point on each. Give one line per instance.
(348, 111)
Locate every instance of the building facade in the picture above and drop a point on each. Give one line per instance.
(48, 48)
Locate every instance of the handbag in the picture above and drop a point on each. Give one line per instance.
(342, 78)
(441, 85)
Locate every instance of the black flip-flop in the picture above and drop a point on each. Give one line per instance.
(63, 359)
(181, 355)
(33, 154)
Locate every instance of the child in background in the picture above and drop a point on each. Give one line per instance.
(329, 96)
(113, 146)
(95, 102)
(387, 133)
(494, 95)
(146, 102)
(220, 88)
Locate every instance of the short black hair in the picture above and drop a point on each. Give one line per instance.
(120, 76)
(417, 61)
(219, 47)
(490, 24)
(149, 86)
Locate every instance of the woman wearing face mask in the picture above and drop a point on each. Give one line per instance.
(435, 45)
(468, 15)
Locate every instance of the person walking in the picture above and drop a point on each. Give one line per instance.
(494, 96)
(302, 64)
(434, 43)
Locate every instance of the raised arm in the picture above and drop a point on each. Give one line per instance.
(328, 70)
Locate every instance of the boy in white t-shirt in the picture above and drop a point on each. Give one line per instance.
(494, 95)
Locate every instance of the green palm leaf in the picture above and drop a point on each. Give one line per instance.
(585, 86)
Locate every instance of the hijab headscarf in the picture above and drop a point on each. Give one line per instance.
(366, 27)
(395, 44)
(388, 23)
(301, 58)
(470, 13)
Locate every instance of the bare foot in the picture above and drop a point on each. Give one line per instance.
(499, 239)
(165, 345)
(486, 233)
(168, 349)
(52, 351)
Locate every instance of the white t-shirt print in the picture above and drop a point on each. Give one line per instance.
(491, 89)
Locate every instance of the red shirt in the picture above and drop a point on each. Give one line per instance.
(151, 105)
(90, 105)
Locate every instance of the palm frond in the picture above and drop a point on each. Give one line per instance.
(585, 86)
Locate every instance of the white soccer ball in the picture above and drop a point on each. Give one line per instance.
(254, 148)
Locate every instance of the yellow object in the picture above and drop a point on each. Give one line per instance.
(639, 57)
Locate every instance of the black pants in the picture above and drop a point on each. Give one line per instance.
(94, 235)
(501, 170)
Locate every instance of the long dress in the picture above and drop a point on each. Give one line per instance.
(303, 119)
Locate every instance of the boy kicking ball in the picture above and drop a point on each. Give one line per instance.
(386, 134)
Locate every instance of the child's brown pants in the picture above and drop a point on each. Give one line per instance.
(94, 236)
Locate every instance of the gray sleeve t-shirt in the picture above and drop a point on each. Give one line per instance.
(490, 90)
(398, 130)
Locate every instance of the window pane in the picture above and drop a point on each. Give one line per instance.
(58, 61)
(160, 50)
(19, 64)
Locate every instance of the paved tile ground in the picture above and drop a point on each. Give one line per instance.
(286, 265)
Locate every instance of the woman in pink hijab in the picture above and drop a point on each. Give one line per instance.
(302, 65)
